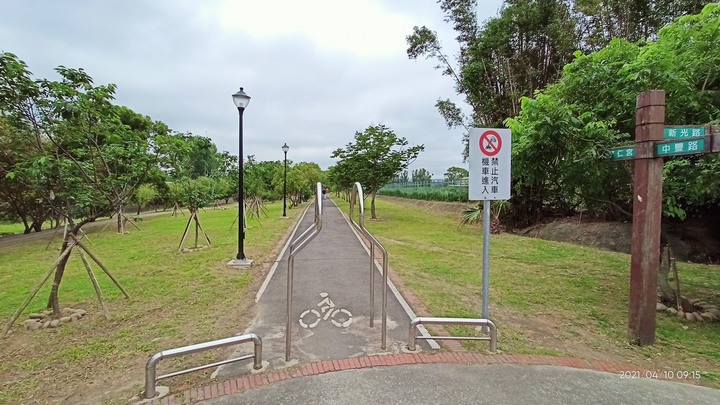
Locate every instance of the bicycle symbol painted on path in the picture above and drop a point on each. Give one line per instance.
(340, 317)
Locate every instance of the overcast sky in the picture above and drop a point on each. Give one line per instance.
(317, 70)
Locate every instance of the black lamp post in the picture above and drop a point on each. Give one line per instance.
(241, 101)
(285, 149)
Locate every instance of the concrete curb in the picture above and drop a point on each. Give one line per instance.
(244, 383)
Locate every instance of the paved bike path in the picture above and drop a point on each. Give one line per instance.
(331, 278)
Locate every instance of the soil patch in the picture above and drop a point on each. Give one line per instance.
(693, 240)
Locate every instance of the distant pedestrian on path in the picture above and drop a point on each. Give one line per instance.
(323, 192)
(326, 191)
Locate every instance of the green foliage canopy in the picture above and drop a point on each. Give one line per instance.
(374, 159)
(562, 134)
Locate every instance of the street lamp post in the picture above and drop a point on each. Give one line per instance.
(241, 101)
(285, 149)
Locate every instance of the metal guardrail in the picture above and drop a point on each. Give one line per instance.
(452, 321)
(357, 196)
(296, 246)
(150, 367)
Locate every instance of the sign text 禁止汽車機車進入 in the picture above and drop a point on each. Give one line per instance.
(490, 166)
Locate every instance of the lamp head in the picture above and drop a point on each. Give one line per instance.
(241, 99)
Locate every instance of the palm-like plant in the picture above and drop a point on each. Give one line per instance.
(473, 215)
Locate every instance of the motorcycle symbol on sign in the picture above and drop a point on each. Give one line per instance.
(341, 317)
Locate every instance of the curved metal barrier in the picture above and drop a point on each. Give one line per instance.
(357, 195)
(150, 367)
(453, 321)
(296, 246)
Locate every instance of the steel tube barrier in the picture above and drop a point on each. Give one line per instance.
(150, 367)
(357, 195)
(296, 246)
(452, 321)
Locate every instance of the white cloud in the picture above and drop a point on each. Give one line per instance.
(360, 28)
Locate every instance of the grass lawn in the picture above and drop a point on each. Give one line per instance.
(9, 228)
(176, 299)
(546, 297)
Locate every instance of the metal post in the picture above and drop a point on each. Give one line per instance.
(647, 211)
(383, 333)
(285, 187)
(241, 194)
(372, 284)
(486, 259)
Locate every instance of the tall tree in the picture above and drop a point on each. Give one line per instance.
(374, 159)
(455, 173)
(421, 176)
(402, 177)
(525, 47)
(602, 20)
(509, 57)
(88, 154)
(18, 199)
(561, 135)
(301, 180)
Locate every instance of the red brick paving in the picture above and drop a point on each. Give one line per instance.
(385, 360)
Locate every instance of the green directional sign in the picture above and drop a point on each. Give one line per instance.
(621, 153)
(686, 147)
(684, 132)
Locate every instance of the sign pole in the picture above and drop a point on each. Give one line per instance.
(490, 169)
(647, 211)
(486, 259)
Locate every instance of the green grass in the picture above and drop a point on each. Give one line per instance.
(581, 292)
(176, 298)
(9, 228)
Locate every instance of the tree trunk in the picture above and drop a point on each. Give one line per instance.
(28, 227)
(372, 206)
(138, 211)
(37, 226)
(119, 221)
(53, 301)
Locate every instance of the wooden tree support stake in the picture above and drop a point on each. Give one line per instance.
(95, 284)
(193, 216)
(39, 286)
(102, 266)
(55, 233)
(187, 228)
(197, 220)
(677, 284)
(177, 208)
(131, 222)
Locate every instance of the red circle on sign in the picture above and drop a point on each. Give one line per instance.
(487, 147)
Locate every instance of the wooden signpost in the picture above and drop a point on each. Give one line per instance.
(653, 141)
